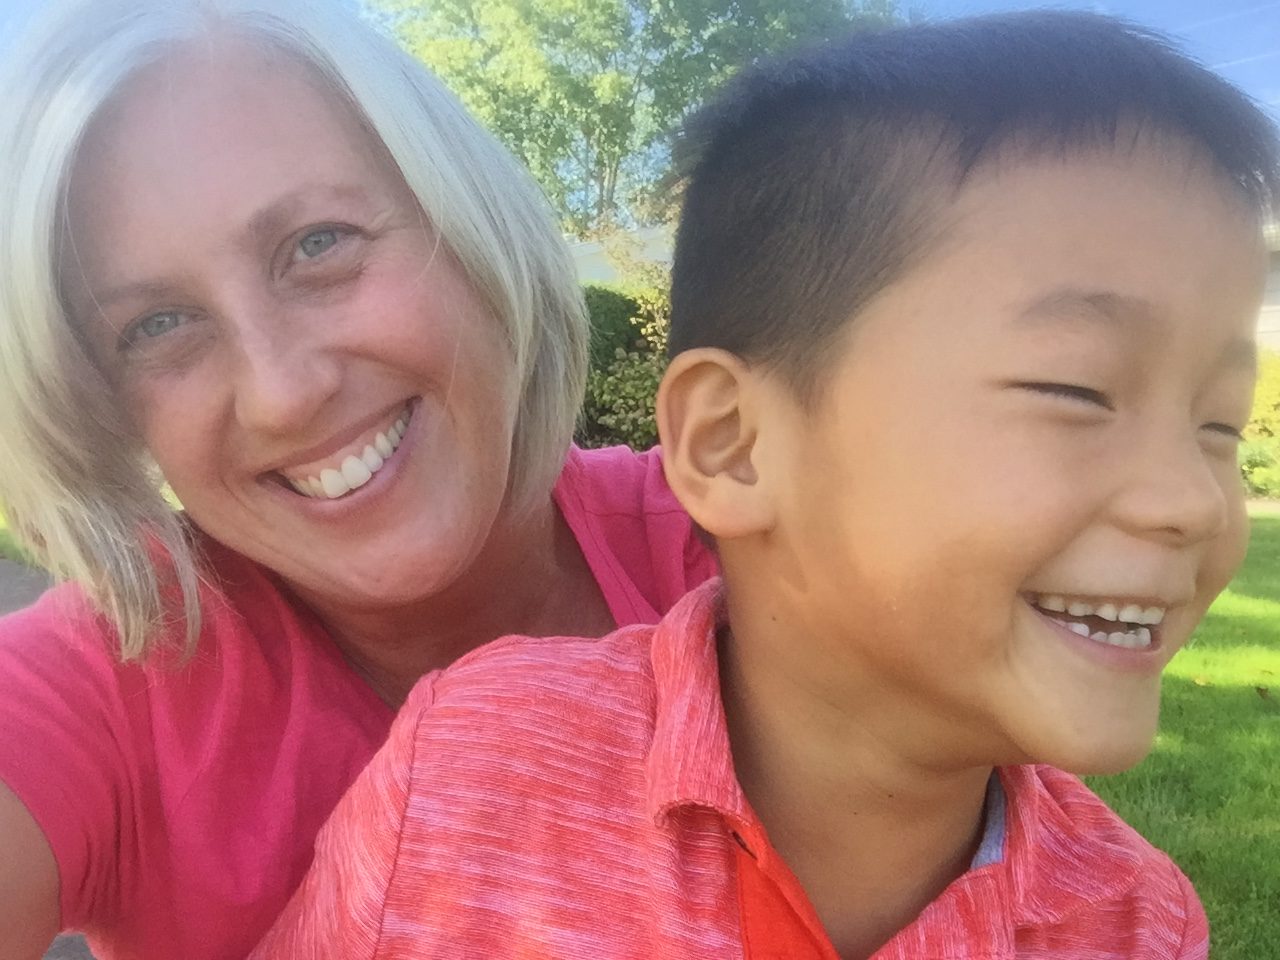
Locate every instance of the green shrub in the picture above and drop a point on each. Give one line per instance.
(1260, 453)
(611, 310)
(628, 366)
(1264, 422)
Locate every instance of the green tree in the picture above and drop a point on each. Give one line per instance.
(586, 92)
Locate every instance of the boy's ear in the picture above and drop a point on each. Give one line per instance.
(707, 413)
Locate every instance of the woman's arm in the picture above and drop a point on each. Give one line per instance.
(28, 883)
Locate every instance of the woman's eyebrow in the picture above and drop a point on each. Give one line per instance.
(279, 215)
(89, 302)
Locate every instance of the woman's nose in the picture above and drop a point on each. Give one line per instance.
(283, 371)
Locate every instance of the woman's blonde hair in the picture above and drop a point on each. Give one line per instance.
(78, 488)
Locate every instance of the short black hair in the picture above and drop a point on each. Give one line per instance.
(811, 182)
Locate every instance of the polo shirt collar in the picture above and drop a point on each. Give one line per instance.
(690, 761)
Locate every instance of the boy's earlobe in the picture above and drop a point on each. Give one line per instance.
(708, 427)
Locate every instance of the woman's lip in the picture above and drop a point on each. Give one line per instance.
(327, 449)
(1149, 659)
(363, 497)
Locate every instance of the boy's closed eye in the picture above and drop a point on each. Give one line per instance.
(1068, 391)
(1096, 398)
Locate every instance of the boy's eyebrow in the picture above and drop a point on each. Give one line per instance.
(1088, 304)
(1109, 307)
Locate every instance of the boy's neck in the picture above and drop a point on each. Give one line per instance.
(872, 834)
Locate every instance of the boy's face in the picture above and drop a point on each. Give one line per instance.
(1042, 415)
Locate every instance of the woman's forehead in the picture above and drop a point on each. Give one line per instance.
(209, 138)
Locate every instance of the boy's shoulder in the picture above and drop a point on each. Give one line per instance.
(1084, 876)
(524, 705)
(535, 671)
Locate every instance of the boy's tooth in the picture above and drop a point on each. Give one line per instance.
(1107, 611)
(1053, 603)
(333, 483)
(355, 472)
(1151, 616)
(383, 445)
(317, 488)
(1144, 635)
(1132, 613)
(300, 487)
(401, 424)
(1099, 636)
(1078, 609)
(1118, 639)
(372, 459)
(1079, 628)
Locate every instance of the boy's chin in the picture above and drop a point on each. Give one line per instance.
(1094, 756)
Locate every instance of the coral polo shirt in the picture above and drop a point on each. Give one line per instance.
(576, 798)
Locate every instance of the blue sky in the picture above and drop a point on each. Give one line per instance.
(1238, 38)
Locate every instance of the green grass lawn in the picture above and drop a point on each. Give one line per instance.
(1209, 794)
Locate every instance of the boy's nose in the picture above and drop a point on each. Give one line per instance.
(1174, 492)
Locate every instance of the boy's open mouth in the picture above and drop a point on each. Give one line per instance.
(1117, 622)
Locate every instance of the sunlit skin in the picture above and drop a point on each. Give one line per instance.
(1048, 403)
(261, 287)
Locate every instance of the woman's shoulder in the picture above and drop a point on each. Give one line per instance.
(636, 536)
(620, 480)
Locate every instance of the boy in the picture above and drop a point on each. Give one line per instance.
(962, 332)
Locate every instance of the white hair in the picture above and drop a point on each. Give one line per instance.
(78, 487)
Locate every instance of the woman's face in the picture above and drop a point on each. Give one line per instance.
(262, 289)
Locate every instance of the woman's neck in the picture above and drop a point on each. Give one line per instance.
(530, 578)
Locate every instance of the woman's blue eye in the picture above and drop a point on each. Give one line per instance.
(148, 328)
(317, 242)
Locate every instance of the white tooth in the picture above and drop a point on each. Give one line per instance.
(317, 488)
(334, 484)
(383, 445)
(1118, 639)
(1144, 637)
(394, 436)
(1152, 616)
(1054, 603)
(301, 487)
(1078, 609)
(1107, 611)
(372, 459)
(1079, 628)
(401, 424)
(1132, 613)
(355, 472)
(1099, 636)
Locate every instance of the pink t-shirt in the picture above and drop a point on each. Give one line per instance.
(182, 802)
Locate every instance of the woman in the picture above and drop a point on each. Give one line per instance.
(253, 252)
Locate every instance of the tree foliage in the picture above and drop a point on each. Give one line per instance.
(586, 92)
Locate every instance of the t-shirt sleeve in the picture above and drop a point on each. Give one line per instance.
(61, 750)
(1195, 935)
(338, 911)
